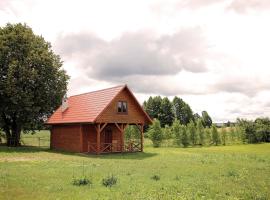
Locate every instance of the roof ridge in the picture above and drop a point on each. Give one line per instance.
(99, 90)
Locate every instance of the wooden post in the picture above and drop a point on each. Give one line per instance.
(122, 138)
(142, 137)
(81, 137)
(98, 139)
(51, 132)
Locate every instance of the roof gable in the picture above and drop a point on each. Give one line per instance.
(135, 113)
(87, 107)
(84, 107)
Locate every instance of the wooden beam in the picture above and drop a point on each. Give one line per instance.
(125, 126)
(98, 138)
(81, 137)
(142, 137)
(122, 138)
(140, 127)
(103, 126)
(117, 126)
(51, 132)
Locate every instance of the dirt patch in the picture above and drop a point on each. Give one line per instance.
(17, 159)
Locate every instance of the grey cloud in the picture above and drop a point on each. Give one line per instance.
(267, 104)
(139, 53)
(72, 44)
(245, 85)
(235, 111)
(134, 54)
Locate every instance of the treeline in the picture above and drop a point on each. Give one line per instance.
(255, 131)
(167, 111)
(195, 134)
(192, 134)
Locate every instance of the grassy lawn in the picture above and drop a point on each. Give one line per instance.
(229, 172)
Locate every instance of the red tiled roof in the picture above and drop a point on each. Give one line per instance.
(85, 107)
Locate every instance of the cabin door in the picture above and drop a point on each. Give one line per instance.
(108, 136)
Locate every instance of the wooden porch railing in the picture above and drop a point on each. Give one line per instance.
(133, 146)
(114, 147)
(92, 147)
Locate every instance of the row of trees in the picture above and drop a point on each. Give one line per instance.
(193, 134)
(167, 111)
(256, 131)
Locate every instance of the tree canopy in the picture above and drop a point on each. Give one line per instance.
(182, 111)
(206, 119)
(32, 82)
(167, 111)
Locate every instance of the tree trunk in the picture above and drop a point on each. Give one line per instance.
(12, 130)
(15, 135)
(8, 135)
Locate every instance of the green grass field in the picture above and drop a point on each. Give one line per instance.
(223, 172)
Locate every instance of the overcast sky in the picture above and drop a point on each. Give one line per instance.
(215, 54)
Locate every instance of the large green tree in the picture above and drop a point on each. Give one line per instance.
(182, 111)
(166, 116)
(206, 119)
(32, 82)
(153, 106)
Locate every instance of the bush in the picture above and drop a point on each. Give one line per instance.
(132, 133)
(223, 134)
(200, 132)
(109, 181)
(192, 133)
(185, 138)
(155, 133)
(176, 126)
(215, 135)
(156, 177)
(232, 173)
(81, 181)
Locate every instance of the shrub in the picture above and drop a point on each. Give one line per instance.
(81, 181)
(200, 132)
(132, 132)
(155, 133)
(192, 133)
(232, 173)
(109, 181)
(184, 138)
(215, 135)
(176, 126)
(223, 134)
(156, 177)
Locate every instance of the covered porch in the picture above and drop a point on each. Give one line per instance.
(110, 138)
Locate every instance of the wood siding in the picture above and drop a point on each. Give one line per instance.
(134, 114)
(90, 135)
(66, 137)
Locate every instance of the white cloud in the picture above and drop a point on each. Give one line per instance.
(212, 53)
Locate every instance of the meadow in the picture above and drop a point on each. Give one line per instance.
(216, 172)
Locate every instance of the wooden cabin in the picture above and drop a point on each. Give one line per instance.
(95, 122)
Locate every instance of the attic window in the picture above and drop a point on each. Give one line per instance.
(122, 107)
